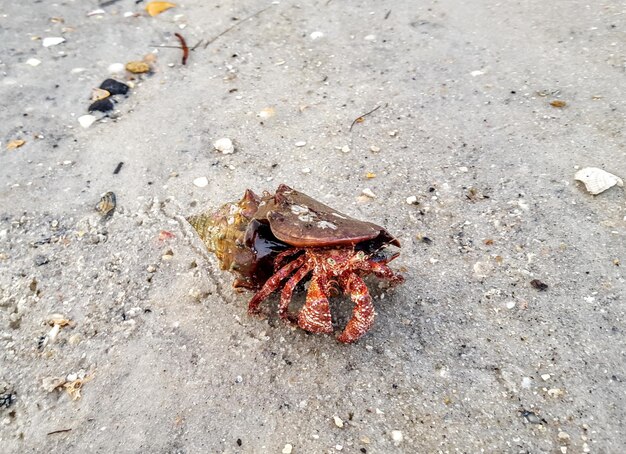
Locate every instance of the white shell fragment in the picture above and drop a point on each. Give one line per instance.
(86, 120)
(52, 41)
(224, 145)
(597, 180)
(116, 68)
(368, 192)
(201, 182)
(33, 62)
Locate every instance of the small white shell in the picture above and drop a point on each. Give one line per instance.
(597, 180)
(224, 145)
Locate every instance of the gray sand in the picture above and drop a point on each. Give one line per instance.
(465, 356)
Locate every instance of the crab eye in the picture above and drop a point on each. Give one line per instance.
(331, 261)
(360, 255)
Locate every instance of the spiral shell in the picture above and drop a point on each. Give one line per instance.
(223, 233)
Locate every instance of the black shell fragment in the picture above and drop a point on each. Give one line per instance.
(114, 87)
(102, 105)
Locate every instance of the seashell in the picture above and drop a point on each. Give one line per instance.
(106, 206)
(597, 180)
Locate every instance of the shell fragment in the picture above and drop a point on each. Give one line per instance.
(597, 180)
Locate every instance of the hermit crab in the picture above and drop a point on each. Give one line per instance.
(290, 237)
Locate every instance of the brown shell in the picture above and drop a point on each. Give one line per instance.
(301, 221)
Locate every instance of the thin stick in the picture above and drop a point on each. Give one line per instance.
(236, 25)
(362, 117)
(58, 431)
(183, 45)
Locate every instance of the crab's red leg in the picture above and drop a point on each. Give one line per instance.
(382, 271)
(285, 296)
(272, 284)
(280, 258)
(315, 314)
(363, 312)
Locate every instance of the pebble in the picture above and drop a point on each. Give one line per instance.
(510, 304)
(463, 169)
(396, 436)
(287, 449)
(527, 382)
(101, 105)
(370, 38)
(33, 62)
(41, 260)
(368, 192)
(238, 379)
(545, 377)
(317, 35)
(338, 447)
(564, 449)
(555, 392)
(224, 145)
(338, 421)
(114, 87)
(137, 67)
(374, 149)
(95, 12)
(411, 200)
(306, 170)
(345, 149)
(86, 120)
(393, 133)
(300, 143)
(201, 182)
(116, 68)
(52, 41)
(563, 436)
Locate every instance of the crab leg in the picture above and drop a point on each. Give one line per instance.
(363, 312)
(383, 271)
(280, 258)
(285, 296)
(315, 314)
(272, 284)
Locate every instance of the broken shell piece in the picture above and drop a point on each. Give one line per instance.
(156, 8)
(224, 145)
(368, 192)
(52, 41)
(52, 383)
(597, 180)
(13, 144)
(86, 120)
(98, 94)
(106, 206)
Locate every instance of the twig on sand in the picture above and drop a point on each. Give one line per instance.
(235, 25)
(361, 118)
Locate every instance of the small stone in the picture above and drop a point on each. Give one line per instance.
(564, 449)
(374, 149)
(411, 200)
(393, 133)
(368, 192)
(586, 448)
(370, 38)
(477, 73)
(545, 377)
(151, 269)
(96, 12)
(116, 68)
(300, 143)
(345, 149)
(137, 67)
(563, 436)
(287, 449)
(224, 145)
(396, 436)
(86, 120)
(306, 170)
(510, 304)
(13, 144)
(102, 105)
(316, 35)
(238, 379)
(338, 447)
(463, 169)
(114, 87)
(33, 62)
(555, 392)
(338, 421)
(526, 382)
(201, 182)
(41, 260)
(52, 41)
